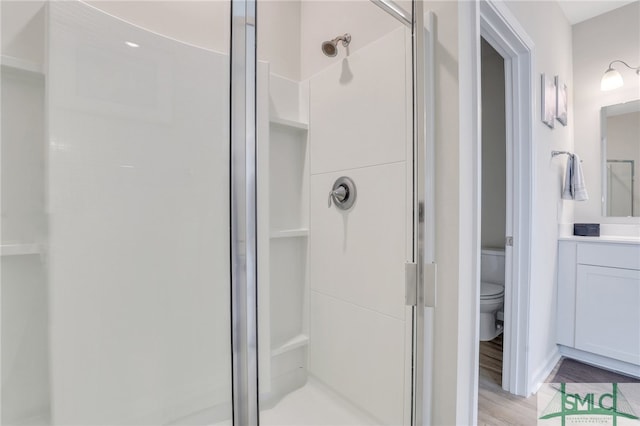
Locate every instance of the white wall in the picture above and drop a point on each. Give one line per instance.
(446, 375)
(280, 37)
(139, 226)
(494, 161)
(23, 30)
(597, 42)
(550, 31)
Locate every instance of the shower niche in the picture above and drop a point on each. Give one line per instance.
(283, 233)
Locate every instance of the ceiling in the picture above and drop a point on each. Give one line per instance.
(580, 10)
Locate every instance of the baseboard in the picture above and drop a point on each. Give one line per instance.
(541, 374)
(601, 361)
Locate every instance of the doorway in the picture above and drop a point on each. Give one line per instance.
(500, 30)
(493, 216)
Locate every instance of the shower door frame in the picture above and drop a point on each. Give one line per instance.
(244, 323)
(243, 202)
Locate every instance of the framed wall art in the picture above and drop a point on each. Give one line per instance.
(548, 101)
(562, 101)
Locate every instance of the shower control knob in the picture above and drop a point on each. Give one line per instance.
(338, 195)
(343, 193)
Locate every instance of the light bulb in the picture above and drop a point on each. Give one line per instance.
(611, 80)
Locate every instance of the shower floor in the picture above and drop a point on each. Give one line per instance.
(311, 405)
(314, 405)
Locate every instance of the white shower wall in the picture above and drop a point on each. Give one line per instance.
(325, 19)
(139, 232)
(360, 119)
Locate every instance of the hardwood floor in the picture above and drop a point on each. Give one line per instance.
(491, 360)
(572, 371)
(495, 406)
(499, 408)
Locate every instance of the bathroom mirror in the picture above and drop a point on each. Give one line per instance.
(620, 125)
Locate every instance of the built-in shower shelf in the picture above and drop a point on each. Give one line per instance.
(290, 233)
(291, 344)
(20, 249)
(21, 64)
(289, 123)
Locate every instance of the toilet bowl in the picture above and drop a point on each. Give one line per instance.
(491, 292)
(491, 301)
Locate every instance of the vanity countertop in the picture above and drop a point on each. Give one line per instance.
(618, 239)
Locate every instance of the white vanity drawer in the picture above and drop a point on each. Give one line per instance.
(625, 256)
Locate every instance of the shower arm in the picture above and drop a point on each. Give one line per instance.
(345, 39)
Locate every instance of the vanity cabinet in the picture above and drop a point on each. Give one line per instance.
(599, 302)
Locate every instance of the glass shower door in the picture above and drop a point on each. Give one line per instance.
(335, 213)
(139, 243)
(120, 315)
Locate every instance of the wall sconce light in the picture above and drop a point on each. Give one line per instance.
(612, 78)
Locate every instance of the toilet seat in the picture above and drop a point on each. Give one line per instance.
(491, 291)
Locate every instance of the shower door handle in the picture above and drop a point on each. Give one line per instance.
(343, 193)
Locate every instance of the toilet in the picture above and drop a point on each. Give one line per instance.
(491, 292)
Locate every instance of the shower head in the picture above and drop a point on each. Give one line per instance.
(330, 48)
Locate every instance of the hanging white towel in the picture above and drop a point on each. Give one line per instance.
(574, 186)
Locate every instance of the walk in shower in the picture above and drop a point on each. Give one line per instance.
(210, 212)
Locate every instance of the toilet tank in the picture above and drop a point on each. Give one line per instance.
(492, 265)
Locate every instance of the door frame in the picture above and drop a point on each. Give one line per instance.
(494, 22)
(505, 34)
